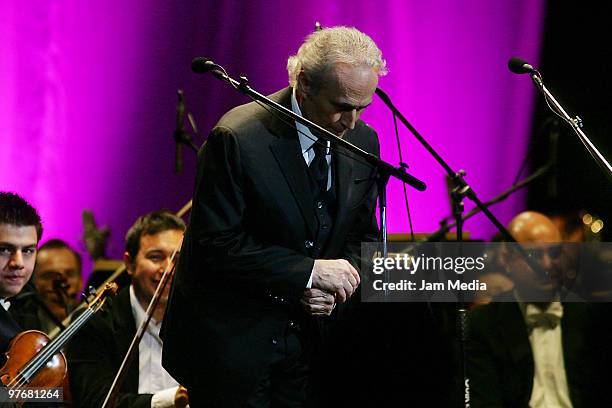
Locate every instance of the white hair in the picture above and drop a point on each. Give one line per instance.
(326, 47)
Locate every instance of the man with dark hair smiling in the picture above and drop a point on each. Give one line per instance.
(96, 352)
(20, 231)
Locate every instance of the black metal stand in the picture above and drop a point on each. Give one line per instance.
(185, 138)
(457, 177)
(457, 196)
(460, 191)
(181, 137)
(445, 226)
(382, 181)
(575, 123)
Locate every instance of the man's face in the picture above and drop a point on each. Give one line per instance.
(545, 253)
(337, 102)
(57, 265)
(151, 261)
(17, 257)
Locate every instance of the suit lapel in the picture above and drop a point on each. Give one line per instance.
(287, 152)
(288, 155)
(513, 332)
(8, 328)
(343, 170)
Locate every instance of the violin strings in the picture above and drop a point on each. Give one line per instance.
(32, 367)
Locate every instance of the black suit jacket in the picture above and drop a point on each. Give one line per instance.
(96, 352)
(500, 361)
(9, 328)
(248, 241)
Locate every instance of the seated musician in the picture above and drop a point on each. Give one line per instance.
(20, 231)
(536, 346)
(58, 281)
(97, 351)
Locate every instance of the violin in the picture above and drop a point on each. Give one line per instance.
(33, 360)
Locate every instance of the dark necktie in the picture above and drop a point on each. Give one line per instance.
(318, 165)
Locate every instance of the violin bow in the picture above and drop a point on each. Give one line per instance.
(113, 392)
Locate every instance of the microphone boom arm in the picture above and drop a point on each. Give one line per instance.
(575, 123)
(457, 177)
(385, 169)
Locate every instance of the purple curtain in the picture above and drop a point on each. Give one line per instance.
(88, 94)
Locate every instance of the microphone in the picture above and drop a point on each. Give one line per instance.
(201, 65)
(180, 119)
(520, 66)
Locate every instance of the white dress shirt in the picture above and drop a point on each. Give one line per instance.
(550, 389)
(152, 377)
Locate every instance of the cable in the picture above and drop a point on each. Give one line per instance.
(404, 166)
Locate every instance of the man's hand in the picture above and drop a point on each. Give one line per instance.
(336, 276)
(318, 303)
(181, 399)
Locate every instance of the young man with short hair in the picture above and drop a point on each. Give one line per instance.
(20, 231)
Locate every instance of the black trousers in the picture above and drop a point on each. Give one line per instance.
(284, 384)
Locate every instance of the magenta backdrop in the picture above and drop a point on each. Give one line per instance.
(88, 92)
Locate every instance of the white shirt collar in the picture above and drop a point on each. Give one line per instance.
(555, 307)
(307, 139)
(5, 304)
(139, 313)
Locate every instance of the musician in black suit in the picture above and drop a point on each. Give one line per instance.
(96, 352)
(524, 352)
(20, 231)
(275, 231)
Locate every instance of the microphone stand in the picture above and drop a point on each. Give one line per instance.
(445, 227)
(186, 139)
(460, 191)
(463, 189)
(181, 137)
(575, 123)
(384, 169)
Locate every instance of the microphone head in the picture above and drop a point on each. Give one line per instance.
(201, 65)
(520, 66)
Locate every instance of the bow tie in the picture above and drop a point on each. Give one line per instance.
(544, 320)
(548, 319)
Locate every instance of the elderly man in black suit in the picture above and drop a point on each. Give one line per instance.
(275, 232)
